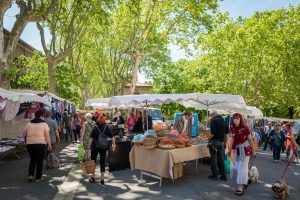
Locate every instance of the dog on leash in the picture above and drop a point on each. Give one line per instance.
(281, 189)
(253, 175)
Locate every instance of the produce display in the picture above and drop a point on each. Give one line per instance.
(166, 139)
(159, 126)
(138, 139)
(150, 132)
(150, 141)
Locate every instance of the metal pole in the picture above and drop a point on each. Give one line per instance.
(206, 114)
(147, 114)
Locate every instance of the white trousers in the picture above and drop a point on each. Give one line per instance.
(241, 167)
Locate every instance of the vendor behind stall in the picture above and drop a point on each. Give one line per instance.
(138, 127)
(120, 123)
(148, 125)
(184, 123)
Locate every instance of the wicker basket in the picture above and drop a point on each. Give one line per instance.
(188, 145)
(150, 141)
(88, 166)
(137, 142)
(178, 145)
(151, 147)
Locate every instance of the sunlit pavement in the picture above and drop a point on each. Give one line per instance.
(13, 176)
(124, 184)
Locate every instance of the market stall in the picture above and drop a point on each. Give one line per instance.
(168, 162)
(13, 118)
(58, 105)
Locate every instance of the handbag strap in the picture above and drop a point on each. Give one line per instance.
(86, 155)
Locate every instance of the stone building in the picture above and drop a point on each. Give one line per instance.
(141, 88)
(22, 48)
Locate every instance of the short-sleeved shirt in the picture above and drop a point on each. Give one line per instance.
(67, 120)
(240, 135)
(95, 133)
(87, 133)
(218, 129)
(53, 127)
(35, 133)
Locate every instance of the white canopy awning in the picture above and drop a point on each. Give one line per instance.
(254, 112)
(276, 119)
(198, 101)
(23, 97)
(150, 99)
(100, 103)
(226, 102)
(250, 111)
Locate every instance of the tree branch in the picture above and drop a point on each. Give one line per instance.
(42, 33)
(38, 18)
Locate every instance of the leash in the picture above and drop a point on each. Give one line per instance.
(290, 161)
(251, 163)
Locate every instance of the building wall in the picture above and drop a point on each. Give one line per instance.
(138, 90)
(22, 47)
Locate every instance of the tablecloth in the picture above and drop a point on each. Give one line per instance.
(164, 162)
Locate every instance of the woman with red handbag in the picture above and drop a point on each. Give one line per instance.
(242, 146)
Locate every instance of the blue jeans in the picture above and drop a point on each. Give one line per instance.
(276, 152)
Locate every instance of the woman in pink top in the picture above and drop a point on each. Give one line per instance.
(131, 122)
(37, 137)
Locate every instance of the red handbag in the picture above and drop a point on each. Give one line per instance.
(248, 151)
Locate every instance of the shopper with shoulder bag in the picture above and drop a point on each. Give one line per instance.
(98, 144)
(277, 140)
(242, 146)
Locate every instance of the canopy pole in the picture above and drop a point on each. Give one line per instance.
(206, 114)
(147, 114)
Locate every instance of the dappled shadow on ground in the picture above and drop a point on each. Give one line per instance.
(13, 181)
(125, 185)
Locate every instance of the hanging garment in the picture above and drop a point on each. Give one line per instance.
(33, 108)
(2, 103)
(11, 110)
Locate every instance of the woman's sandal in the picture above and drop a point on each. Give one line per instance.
(239, 192)
(245, 186)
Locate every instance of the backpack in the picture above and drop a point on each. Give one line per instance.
(298, 139)
(52, 161)
(101, 142)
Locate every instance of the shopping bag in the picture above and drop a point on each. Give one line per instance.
(232, 170)
(80, 152)
(87, 166)
(52, 161)
(227, 164)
